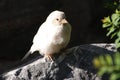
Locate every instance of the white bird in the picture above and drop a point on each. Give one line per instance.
(52, 36)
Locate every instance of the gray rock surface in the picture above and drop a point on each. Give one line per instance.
(73, 64)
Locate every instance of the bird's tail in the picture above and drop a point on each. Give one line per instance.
(27, 54)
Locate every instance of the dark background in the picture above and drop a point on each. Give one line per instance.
(20, 20)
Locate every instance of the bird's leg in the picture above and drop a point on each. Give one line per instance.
(48, 57)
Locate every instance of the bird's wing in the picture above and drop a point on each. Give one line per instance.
(40, 33)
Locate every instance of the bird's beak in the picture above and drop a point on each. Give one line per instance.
(64, 21)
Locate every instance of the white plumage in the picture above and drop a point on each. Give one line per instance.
(52, 36)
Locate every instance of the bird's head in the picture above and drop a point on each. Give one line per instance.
(57, 18)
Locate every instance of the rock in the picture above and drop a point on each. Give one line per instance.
(73, 64)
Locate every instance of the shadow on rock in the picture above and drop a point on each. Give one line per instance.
(73, 64)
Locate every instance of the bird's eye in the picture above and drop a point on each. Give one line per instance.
(57, 19)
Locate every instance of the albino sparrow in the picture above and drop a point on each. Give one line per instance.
(52, 36)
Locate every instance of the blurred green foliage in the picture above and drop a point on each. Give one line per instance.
(112, 23)
(110, 64)
(112, 4)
